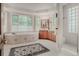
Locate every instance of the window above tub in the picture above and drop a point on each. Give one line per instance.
(21, 23)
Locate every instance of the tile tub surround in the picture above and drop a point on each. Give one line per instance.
(28, 50)
(20, 38)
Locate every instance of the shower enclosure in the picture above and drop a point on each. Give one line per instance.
(70, 27)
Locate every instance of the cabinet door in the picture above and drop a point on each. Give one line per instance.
(52, 36)
(43, 34)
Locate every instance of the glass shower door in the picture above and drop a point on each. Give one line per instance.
(71, 27)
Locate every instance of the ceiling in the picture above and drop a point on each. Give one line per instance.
(34, 7)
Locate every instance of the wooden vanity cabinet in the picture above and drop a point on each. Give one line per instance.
(43, 34)
(46, 35)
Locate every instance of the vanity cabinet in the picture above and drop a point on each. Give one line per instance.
(43, 34)
(47, 35)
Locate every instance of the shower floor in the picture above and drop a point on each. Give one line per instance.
(71, 49)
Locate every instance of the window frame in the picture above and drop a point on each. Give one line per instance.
(17, 14)
(72, 20)
(37, 18)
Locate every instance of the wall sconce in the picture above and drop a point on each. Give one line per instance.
(56, 28)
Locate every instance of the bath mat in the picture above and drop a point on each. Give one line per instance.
(28, 50)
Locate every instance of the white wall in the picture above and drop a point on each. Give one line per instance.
(60, 37)
(6, 17)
